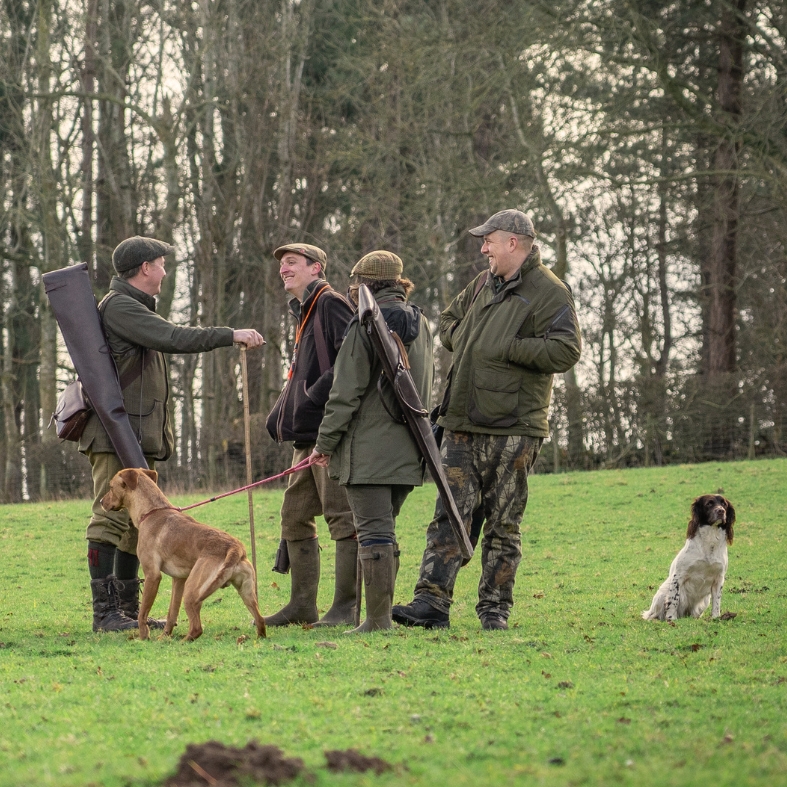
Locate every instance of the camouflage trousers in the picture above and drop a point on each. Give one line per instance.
(495, 467)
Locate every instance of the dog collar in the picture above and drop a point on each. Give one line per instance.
(160, 508)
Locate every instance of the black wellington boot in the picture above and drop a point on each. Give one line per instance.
(106, 613)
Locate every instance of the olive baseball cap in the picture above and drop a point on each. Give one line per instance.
(132, 252)
(507, 220)
(379, 265)
(313, 253)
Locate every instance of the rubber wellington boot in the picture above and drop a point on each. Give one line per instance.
(342, 611)
(128, 600)
(377, 564)
(304, 578)
(106, 613)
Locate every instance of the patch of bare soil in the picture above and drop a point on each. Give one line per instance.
(217, 765)
(353, 760)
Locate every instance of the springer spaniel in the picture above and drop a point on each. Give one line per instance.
(697, 573)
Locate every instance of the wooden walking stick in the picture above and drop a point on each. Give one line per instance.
(247, 436)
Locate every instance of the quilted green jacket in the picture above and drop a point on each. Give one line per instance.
(507, 344)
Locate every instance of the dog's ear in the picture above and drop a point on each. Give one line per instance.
(152, 475)
(730, 520)
(128, 478)
(697, 513)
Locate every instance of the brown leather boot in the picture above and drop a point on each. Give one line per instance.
(304, 579)
(342, 611)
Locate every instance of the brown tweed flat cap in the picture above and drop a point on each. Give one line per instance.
(313, 253)
(379, 265)
(132, 252)
(507, 220)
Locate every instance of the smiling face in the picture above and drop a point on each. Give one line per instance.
(298, 272)
(506, 253)
(150, 276)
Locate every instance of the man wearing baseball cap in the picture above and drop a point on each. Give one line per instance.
(510, 331)
(137, 338)
(366, 448)
(321, 316)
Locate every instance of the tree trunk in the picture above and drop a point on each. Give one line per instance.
(85, 240)
(723, 274)
(12, 492)
(115, 203)
(42, 481)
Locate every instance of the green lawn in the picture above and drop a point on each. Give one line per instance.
(579, 691)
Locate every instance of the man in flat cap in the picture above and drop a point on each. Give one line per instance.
(365, 448)
(510, 331)
(321, 315)
(138, 339)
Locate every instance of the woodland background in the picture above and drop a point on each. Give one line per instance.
(647, 139)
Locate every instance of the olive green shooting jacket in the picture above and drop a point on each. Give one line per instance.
(506, 347)
(367, 446)
(138, 336)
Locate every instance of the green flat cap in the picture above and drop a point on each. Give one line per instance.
(132, 252)
(507, 220)
(313, 253)
(379, 265)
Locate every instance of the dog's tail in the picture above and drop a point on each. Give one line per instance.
(235, 554)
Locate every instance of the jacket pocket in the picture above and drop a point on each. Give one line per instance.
(272, 421)
(494, 397)
(306, 414)
(151, 425)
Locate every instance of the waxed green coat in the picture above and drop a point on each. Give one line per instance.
(134, 331)
(365, 444)
(506, 346)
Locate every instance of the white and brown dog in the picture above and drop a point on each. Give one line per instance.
(200, 559)
(697, 573)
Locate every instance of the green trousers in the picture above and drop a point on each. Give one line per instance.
(309, 493)
(110, 527)
(375, 508)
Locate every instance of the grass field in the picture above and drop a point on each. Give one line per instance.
(579, 691)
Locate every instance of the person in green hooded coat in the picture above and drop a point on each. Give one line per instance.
(364, 445)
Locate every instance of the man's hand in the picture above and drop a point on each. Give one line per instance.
(321, 460)
(248, 336)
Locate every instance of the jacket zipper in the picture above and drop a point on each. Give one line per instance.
(286, 392)
(554, 322)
